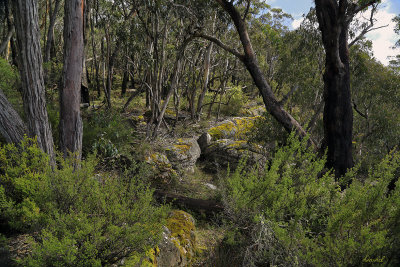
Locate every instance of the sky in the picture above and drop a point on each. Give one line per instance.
(382, 39)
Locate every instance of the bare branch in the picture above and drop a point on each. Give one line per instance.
(368, 28)
(220, 44)
(358, 111)
(286, 97)
(247, 10)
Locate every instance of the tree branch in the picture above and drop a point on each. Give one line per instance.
(367, 29)
(247, 10)
(288, 95)
(358, 111)
(220, 44)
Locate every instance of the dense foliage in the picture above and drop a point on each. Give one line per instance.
(293, 213)
(76, 217)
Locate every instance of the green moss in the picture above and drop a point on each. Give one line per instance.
(221, 131)
(182, 230)
(238, 128)
(237, 144)
(182, 146)
(149, 260)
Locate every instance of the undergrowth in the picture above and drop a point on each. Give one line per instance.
(75, 217)
(292, 213)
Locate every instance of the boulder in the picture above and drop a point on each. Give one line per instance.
(235, 128)
(178, 245)
(225, 144)
(168, 253)
(204, 141)
(162, 167)
(226, 152)
(183, 154)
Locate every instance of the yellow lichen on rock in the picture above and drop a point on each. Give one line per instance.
(181, 225)
(149, 260)
(237, 128)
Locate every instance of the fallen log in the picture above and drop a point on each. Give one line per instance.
(199, 205)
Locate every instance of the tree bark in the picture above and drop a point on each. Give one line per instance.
(338, 112)
(30, 67)
(50, 32)
(12, 128)
(71, 128)
(4, 44)
(207, 61)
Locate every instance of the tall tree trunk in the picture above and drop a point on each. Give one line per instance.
(174, 83)
(334, 19)
(71, 128)
(50, 32)
(207, 61)
(12, 128)
(31, 70)
(338, 112)
(125, 80)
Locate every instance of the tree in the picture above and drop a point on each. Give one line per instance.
(71, 128)
(334, 19)
(249, 59)
(30, 66)
(12, 127)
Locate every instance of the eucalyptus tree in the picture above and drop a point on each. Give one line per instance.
(249, 59)
(334, 18)
(71, 128)
(12, 128)
(31, 72)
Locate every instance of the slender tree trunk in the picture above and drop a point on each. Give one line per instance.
(10, 27)
(71, 128)
(12, 128)
(250, 61)
(31, 70)
(5, 43)
(174, 83)
(207, 61)
(50, 32)
(125, 81)
(96, 64)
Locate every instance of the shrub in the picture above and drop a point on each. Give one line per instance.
(299, 217)
(235, 99)
(79, 218)
(105, 133)
(9, 83)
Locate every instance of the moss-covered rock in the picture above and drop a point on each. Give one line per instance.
(178, 245)
(162, 167)
(183, 153)
(236, 128)
(227, 152)
(228, 144)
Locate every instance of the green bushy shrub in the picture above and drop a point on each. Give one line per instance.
(9, 84)
(79, 218)
(235, 99)
(106, 133)
(299, 217)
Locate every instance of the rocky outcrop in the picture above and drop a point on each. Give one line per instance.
(183, 154)
(225, 144)
(162, 167)
(179, 241)
(176, 248)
